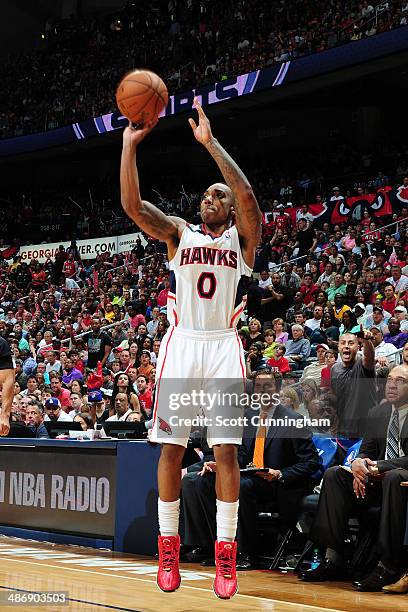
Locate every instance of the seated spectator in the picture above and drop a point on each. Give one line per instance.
(77, 404)
(401, 315)
(298, 349)
(122, 384)
(70, 373)
(339, 307)
(278, 326)
(144, 396)
(35, 419)
(330, 359)
(315, 322)
(271, 345)
(310, 394)
(378, 319)
(145, 364)
(345, 492)
(291, 458)
(279, 363)
(314, 370)
(385, 353)
(122, 408)
(398, 280)
(308, 289)
(395, 336)
(349, 323)
(289, 398)
(338, 287)
(389, 300)
(54, 411)
(255, 360)
(85, 420)
(255, 331)
(63, 395)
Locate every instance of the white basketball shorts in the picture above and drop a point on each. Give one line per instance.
(200, 381)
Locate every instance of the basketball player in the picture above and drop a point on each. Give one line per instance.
(207, 263)
(7, 386)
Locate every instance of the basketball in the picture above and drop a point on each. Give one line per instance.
(141, 96)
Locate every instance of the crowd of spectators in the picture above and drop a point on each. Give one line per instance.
(188, 43)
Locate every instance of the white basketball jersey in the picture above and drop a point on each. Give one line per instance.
(208, 278)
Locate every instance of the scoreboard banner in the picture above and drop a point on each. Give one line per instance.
(314, 65)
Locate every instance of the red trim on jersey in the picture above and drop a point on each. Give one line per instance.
(175, 317)
(158, 382)
(240, 309)
(171, 296)
(240, 360)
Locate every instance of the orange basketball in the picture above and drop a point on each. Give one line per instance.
(141, 96)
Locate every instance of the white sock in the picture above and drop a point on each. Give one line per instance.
(227, 520)
(169, 517)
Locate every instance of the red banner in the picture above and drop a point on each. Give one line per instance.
(377, 204)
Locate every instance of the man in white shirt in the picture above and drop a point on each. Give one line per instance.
(317, 318)
(53, 364)
(400, 315)
(398, 280)
(121, 408)
(54, 411)
(385, 352)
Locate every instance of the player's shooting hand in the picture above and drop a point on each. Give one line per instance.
(202, 131)
(133, 135)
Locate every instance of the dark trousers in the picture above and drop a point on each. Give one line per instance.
(338, 503)
(199, 510)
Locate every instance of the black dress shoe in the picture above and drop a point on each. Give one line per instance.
(197, 555)
(326, 570)
(245, 562)
(378, 578)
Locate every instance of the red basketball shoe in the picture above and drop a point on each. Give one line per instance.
(168, 575)
(225, 583)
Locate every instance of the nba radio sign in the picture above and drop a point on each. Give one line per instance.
(58, 492)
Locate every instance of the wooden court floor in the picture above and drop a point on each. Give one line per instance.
(100, 580)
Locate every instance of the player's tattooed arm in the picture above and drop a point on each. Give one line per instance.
(247, 214)
(148, 217)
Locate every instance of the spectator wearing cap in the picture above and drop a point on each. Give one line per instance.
(401, 315)
(378, 319)
(336, 199)
(145, 367)
(54, 411)
(395, 336)
(398, 280)
(384, 353)
(107, 378)
(71, 373)
(122, 409)
(99, 412)
(58, 392)
(314, 370)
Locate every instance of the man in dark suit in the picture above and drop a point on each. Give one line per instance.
(286, 449)
(377, 473)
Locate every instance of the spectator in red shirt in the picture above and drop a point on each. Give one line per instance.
(389, 301)
(162, 297)
(69, 268)
(330, 359)
(63, 395)
(279, 363)
(144, 394)
(308, 289)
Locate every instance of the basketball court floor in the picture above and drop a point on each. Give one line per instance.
(99, 580)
